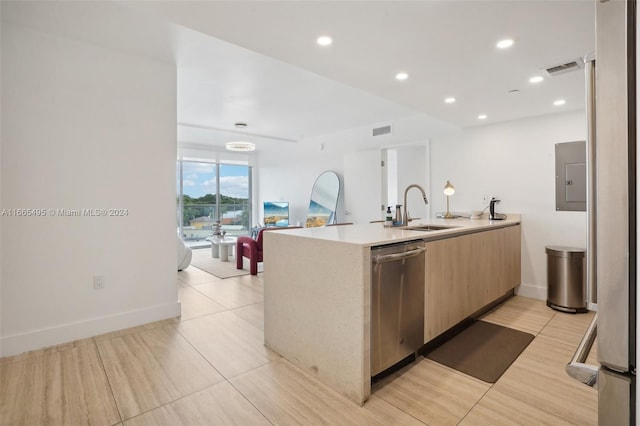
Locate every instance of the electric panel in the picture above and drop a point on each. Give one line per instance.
(571, 176)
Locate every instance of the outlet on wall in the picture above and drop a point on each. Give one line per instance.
(98, 282)
(486, 199)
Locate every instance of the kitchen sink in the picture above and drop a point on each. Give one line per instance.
(428, 227)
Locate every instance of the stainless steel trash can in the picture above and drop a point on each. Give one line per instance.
(566, 279)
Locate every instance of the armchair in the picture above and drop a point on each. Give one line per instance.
(252, 249)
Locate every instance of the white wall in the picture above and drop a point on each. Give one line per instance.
(288, 174)
(514, 162)
(292, 181)
(84, 127)
(413, 167)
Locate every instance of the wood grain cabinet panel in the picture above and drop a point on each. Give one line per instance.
(464, 274)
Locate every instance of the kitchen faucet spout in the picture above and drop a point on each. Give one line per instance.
(405, 218)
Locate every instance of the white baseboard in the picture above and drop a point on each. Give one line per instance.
(64, 333)
(532, 291)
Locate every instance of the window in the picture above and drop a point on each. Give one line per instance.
(234, 198)
(208, 193)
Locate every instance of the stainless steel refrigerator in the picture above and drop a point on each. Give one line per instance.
(612, 214)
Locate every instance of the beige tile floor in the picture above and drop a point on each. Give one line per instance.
(210, 367)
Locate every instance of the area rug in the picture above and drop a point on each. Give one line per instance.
(202, 260)
(483, 350)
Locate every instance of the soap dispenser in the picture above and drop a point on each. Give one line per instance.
(388, 220)
(398, 219)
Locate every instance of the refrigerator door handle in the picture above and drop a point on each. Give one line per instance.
(585, 373)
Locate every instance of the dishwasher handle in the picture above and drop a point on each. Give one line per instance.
(397, 256)
(577, 369)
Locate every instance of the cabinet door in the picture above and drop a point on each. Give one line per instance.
(446, 279)
(464, 274)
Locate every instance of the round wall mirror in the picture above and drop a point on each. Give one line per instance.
(324, 200)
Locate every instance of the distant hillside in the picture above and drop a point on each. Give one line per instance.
(211, 199)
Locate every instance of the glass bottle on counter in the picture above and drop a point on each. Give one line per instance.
(388, 220)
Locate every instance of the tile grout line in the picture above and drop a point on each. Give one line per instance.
(113, 394)
(226, 379)
(210, 298)
(221, 303)
(247, 399)
(173, 401)
(547, 323)
(209, 362)
(183, 396)
(491, 385)
(230, 310)
(197, 351)
(477, 402)
(537, 335)
(398, 408)
(213, 282)
(215, 278)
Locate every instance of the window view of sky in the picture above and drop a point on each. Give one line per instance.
(200, 179)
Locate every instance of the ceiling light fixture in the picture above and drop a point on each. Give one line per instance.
(324, 40)
(536, 79)
(559, 102)
(504, 44)
(449, 100)
(482, 117)
(240, 146)
(402, 76)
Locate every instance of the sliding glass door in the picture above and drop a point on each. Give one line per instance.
(210, 193)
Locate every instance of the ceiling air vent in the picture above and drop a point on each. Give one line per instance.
(564, 68)
(384, 130)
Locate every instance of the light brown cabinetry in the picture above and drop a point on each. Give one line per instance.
(464, 274)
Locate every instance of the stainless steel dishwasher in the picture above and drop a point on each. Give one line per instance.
(397, 303)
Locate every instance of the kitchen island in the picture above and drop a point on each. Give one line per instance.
(317, 289)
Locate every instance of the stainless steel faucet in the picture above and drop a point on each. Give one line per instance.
(405, 218)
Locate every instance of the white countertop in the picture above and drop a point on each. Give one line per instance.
(372, 234)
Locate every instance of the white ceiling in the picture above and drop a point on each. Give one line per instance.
(220, 84)
(447, 47)
(257, 62)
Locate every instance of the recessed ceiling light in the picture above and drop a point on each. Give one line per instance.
(402, 76)
(324, 40)
(482, 117)
(449, 100)
(559, 102)
(504, 44)
(536, 79)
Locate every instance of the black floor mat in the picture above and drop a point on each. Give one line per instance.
(483, 350)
